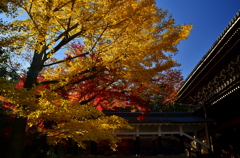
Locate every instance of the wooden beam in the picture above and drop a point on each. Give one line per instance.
(196, 140)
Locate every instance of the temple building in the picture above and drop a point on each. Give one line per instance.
(214, 88)
(211, 128)
(159, 134)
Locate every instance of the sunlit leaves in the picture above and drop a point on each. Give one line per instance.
(128, 48)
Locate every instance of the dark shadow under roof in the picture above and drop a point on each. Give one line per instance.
(160, 117)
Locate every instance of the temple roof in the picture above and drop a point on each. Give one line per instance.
(222, 51)
(160, 117)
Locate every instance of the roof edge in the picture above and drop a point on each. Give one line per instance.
(209, 52)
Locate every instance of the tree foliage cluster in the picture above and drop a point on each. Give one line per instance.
(126, 57)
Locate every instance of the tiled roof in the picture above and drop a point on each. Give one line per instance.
(160, 117)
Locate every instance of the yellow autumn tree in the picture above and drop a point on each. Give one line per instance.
(134, 37)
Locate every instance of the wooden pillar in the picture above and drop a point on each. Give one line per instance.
(137, 142)
(136, 146)
(160, 148)
(172, 144)
(207, 129)
(154, 146)
(199, 149)
(198, 146)
(182, 147)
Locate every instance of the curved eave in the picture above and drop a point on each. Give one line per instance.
(210, 60)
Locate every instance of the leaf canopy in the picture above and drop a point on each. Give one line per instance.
(132, 39)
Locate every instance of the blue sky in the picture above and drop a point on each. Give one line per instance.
(209, 18)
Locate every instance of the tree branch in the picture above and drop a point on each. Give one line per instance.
(57, 8)
(31, 17)
(57, 81)
(60, 61)
(99, 38)
(69, 20)
(65, 32)
(78, 81)
(63, 42)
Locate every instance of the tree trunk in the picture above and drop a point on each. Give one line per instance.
(17, 140)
